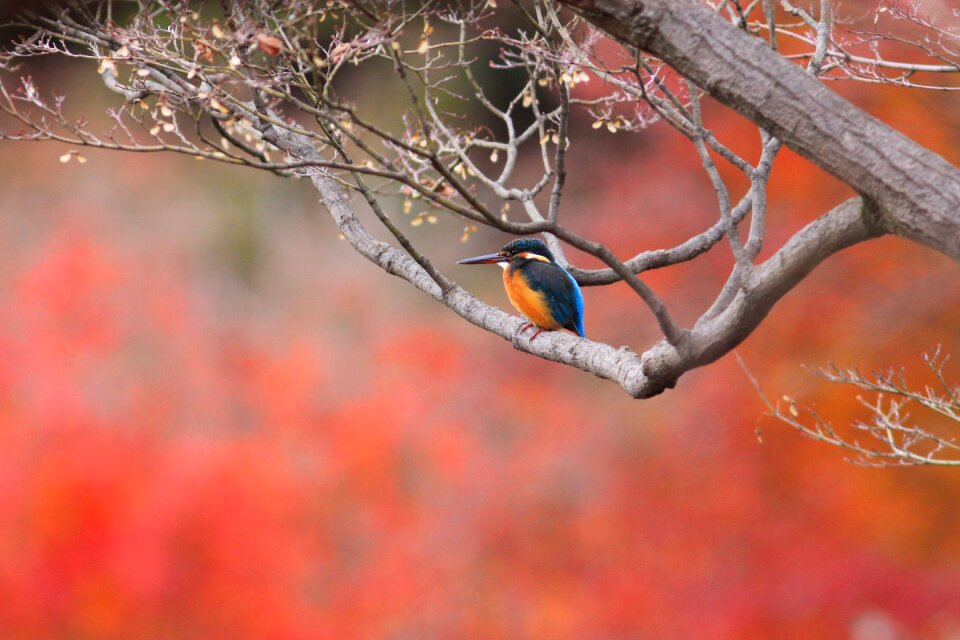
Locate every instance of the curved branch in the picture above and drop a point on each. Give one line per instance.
(851, 222)
(718, 333)
(659, 258)
(622, 365)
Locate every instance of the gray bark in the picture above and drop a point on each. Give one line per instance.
(916, 190)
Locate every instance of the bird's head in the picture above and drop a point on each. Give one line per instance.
(521, 249)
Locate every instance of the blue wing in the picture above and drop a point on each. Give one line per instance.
(561, 292)
(577, 318)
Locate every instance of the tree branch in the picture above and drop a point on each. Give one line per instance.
(906, 189)
(622, 365)
(917, 192)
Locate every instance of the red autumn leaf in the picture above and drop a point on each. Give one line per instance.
(270, 45)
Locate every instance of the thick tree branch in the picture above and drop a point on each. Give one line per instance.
(917, 191)
(847, 224)
(718, 333)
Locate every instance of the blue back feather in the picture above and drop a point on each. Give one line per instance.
(560, 290)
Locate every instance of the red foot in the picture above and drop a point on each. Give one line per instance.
(527, 325)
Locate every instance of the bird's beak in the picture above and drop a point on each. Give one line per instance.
(490, 258)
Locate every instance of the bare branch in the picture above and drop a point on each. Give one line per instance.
(891, 436)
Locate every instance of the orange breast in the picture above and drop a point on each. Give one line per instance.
(530, 303)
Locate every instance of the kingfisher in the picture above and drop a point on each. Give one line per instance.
(539, 288)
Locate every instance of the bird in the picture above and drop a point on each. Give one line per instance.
(539, 288)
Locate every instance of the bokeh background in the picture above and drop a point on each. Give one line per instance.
(217, 421)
